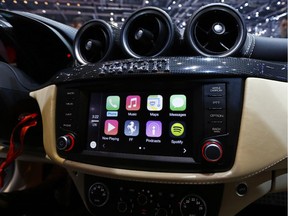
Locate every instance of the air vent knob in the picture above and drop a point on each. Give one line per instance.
(143, 33)
(218, 28)
(93, 44)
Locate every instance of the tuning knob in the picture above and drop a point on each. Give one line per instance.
(65, 142)
(212, 151)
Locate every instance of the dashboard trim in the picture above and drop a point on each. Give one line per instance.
(196, 66)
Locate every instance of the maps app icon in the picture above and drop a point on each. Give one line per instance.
(155, 102)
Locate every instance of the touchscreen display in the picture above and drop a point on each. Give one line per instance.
(148, 123)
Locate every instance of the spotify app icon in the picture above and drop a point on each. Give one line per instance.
(177, 129)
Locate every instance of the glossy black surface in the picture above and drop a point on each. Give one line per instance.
(195, 66)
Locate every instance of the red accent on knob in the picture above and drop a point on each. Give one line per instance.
(212, 151)
(66, 142)
(72, 140)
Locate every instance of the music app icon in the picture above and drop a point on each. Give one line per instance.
(133, 102)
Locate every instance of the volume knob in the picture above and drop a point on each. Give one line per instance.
(65, 142)
(212, 151)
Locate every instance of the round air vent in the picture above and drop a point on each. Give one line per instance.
(148, 32)
(93, 42)
(216, 30)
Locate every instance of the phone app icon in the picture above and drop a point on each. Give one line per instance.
(133, 102)
(153, 129)
(113, 103)
(131, 128)
(111, 127)
(177, 129)
(155, 102)
(178, 102)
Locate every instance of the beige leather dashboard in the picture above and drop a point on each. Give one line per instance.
(261, 158)
(262, 141)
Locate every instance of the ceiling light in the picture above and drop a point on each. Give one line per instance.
(180, 5)
(25, 2)
(281, 15)
(267, 8)
(15, 2)
(169, 8)
(111, 13)
(246, 4)
(174, 2)
(36, 2)
(146, 2)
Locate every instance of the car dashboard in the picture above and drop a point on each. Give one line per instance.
(191, 123)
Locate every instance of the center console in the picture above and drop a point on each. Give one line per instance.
(106, 197)
(153, 123)
(162, 136)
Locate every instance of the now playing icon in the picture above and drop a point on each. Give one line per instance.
(111, 127)
(177, 129)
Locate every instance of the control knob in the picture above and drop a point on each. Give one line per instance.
(98, 194)
(161, 212)
(122, 206)
(212, 151)
(65, 142)
(193, 205)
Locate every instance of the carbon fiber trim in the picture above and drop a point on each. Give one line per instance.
(192, 66)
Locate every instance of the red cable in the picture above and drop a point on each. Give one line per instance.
(25, 123)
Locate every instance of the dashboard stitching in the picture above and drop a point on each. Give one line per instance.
(253, 45)
(249, 44)
(185, 182)
(264, 169)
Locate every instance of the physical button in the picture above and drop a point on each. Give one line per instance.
(215, 103)
(215, 90)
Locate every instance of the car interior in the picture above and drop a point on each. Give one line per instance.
(157, 108)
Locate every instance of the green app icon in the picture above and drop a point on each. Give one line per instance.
(178, 102)
(177, 129)
(113, 103)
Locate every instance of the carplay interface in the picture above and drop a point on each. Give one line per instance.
(154, 123)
